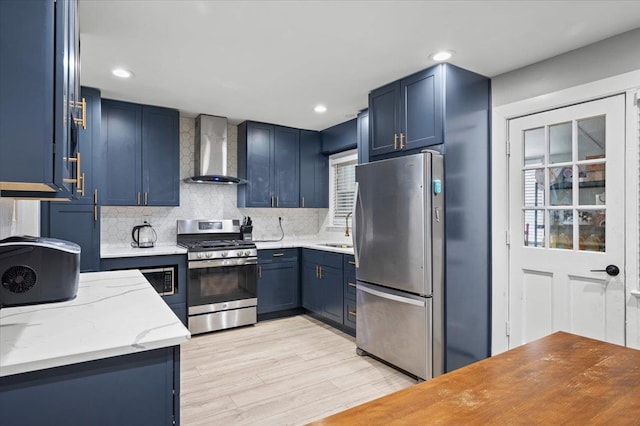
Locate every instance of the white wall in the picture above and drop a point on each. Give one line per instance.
(613, 56)
(603, 68)
(203, 201)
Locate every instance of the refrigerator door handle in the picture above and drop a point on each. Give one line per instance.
(354, 226)
(389, 296)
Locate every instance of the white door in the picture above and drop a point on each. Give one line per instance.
(566, 222)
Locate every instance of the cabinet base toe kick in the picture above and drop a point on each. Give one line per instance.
(222, 320)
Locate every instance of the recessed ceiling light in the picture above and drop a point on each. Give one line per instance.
(122, 73)
(443, 55)
(320, 108)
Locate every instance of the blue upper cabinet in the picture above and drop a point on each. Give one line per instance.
(160, 156)
(384, 113)
(314, 171)
(407, 114)
(341, 137)
(286, 166)
(268, 158)
(39, 49)
(121, 148)
(140, 153)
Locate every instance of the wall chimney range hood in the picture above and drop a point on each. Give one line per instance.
(211, 151)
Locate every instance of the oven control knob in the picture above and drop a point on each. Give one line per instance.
(209, 254)
(247, 253)
(224, 254)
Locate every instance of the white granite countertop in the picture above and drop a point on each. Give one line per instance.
(312, 244)
(115, 313)
(111, 251)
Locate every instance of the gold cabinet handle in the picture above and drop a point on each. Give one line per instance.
(317, 273)
(146, 198)
(138, 197)
(395, 141)
(277, 201)
(402, 145)
(352, 313)
(95, 205)
(351, 284)
(259, 271)
(351, 262)
(278, 254)
(79, 179)
(83, 107)
(302, 201)
(320, 268)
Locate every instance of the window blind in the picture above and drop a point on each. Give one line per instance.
(344, 185)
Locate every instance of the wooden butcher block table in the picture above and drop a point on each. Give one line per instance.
(559, 379)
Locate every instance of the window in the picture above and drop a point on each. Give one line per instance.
(342, 185)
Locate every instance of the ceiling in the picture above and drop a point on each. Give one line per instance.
(273, 61)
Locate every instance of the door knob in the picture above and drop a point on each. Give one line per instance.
(612, 270)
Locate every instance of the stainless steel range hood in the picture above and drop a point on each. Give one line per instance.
(211, 151)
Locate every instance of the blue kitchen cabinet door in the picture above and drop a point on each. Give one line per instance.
(121, 153)
(332, 290)
(421, 109)
(312, 295)
(314, 171)
(278, 286)
(36, 132)
(286, 167)
(160, 157)
(384, 119)
(255, 144)
(142, 388)
(78, 223)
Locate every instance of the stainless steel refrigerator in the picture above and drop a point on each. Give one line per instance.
(399, 253)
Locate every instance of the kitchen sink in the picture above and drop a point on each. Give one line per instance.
(337, 245)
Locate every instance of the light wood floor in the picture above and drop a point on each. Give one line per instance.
(287, 371)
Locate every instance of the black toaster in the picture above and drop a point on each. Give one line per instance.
(38, 270)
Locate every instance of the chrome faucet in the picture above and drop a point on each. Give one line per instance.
(346, 221)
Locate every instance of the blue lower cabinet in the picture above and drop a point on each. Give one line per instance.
(322, 284)
(78, 223)
(349, 273)
(135, 389)
(278, 283)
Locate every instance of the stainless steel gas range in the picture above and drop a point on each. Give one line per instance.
(222, 274)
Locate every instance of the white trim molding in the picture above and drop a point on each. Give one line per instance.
(627, 83)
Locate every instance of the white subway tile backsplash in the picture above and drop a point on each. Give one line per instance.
(206, 201)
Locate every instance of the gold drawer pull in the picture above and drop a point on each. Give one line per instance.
(395, 141)
(79, 179)
(402, 145)
(278, 254)
(351, 262)
(259, 271)
(351, 285)
(83, 106)
(352, 313)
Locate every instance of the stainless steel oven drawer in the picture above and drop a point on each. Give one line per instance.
(222, 320)
(396, 327)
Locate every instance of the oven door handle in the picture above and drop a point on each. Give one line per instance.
(219, 263)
